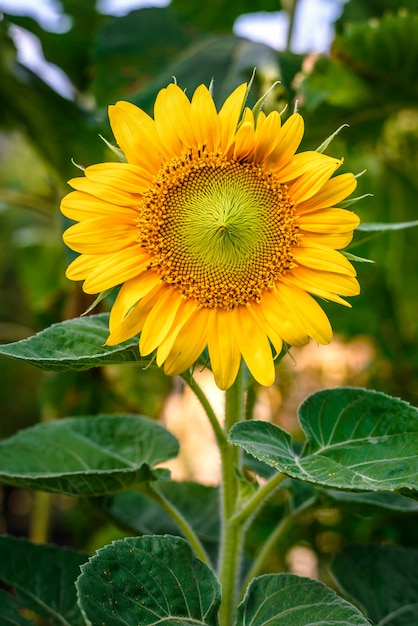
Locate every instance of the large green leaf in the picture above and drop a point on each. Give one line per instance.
(87, 456)
(373, 502)
(76, 344)
(199, 504)
(289, 600)
(148, 580)
(356, 439)
(219, 15)
(383, 580)
(43, 580)
(384, 52)
(131, 49)
(9, 614)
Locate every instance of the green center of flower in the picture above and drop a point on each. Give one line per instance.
(220, 230)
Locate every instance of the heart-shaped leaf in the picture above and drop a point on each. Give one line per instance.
(148, 580)
(43, 579)
(382, 580)
(289, 600)
(87, 456)
(76, 344)
(356, 440)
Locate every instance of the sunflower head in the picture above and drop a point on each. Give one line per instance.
(217, 232)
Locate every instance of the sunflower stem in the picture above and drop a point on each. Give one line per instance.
(154, 492)
(232, 535)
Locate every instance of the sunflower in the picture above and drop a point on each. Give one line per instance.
(217, 232)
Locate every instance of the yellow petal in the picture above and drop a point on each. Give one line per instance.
(254, 346)
(287, 142)
(82, 266)
(280, 316)
(167, 132)
(172, 117)
(159, 321)
(268, 128)
(186, 310)
(338, 242)
(130, 178)
(115, 269)
(329, 221)
(244, 138)
(307, 311)
(322, 258)
(272, 331)
(325, 284)
(313, 180)
(230, 114)
(304, 163)
(189, 344)
(134, 322)
(114, 195)
(130, 294)
(205, 121)
(332, 192)
(137, 136)
(101, 235)
(224, 354)
(79, 206)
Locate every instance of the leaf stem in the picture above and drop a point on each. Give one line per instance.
(281, 529)
(232, 535)
(153, 491)
(258, 499)
(210, 413)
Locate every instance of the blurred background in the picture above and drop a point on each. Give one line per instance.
(62, 64)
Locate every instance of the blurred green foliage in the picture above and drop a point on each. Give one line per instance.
(368, 80)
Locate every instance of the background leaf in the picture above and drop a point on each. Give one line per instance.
(76, 344)
(356, 439)
(198, 503)
(383, 580)
(289, 600)
(43, 579)
(148, 580)
(86, 456)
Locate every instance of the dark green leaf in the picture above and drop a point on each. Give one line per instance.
(9, 614)
(76, 344)
(384, 52)
(129, 50)
(219, 15)
(198, 503)
(43, 579)
(288, 600)
(148, 580)
(356, 439)
(369, 501)
(86, 455)
(383, 580)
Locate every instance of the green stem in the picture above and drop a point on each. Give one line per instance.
(258, 499)
(210, 413)
(292, 15)
(153, 492)
(273, 539)
(232, 536)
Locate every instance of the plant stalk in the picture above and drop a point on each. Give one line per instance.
(232, 536)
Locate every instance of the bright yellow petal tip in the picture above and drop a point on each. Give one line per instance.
(217, 230)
